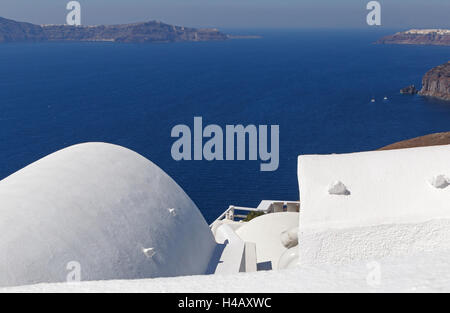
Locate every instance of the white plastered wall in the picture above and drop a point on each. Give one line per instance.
(392, 208)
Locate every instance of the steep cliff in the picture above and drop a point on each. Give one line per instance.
(436, 82)
(439, 37)
(17, 31)
(139, 32)
(12, 31)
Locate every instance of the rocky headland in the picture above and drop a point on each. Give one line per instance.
(154, 31)
(436, 82)
(438, 37)
(409, 90)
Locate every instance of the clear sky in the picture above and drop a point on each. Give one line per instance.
(236, 13)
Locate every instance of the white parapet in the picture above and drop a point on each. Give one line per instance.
(232, 259)
(236, 255)
(396, 203)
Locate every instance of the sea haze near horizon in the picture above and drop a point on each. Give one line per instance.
(316, 84)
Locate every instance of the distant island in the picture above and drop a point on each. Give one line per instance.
(437, 37)
(154, 31)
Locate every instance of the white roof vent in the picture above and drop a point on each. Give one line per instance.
(440, 182)
(149, 252)
(338, 188)
(289, 238)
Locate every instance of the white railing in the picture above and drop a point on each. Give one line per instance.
(265, 207)
(230, 214)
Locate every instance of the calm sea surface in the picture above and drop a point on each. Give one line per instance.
(316, 85)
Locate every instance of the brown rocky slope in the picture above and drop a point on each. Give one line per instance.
(423, 141)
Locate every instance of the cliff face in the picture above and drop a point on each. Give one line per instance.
(11, 31)
(139, 32)
(436, 82)
(16, 31)
(440, 37)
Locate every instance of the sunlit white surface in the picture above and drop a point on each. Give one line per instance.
(104, 207)
(417, 273)
(265, 231)
(391, 207)
(389, 233)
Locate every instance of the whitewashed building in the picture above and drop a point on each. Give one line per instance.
(371, 221)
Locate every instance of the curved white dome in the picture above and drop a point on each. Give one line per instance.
(102, 206)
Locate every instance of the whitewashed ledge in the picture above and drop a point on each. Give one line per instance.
(420, 273)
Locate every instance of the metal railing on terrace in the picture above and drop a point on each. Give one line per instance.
(238, 213)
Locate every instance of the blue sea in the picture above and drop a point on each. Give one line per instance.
(316, 84)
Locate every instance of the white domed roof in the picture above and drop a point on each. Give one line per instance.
(101, 206)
